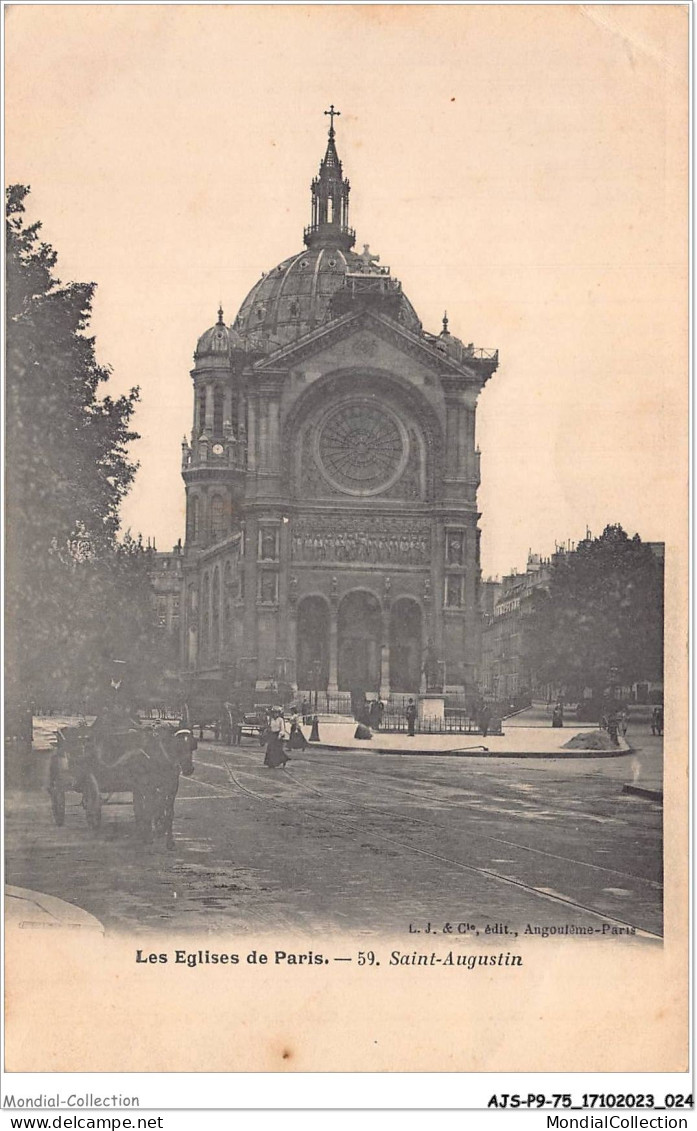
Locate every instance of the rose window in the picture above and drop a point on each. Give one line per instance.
(362, 448)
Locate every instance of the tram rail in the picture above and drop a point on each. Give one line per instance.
(489, 874)
(654, 884)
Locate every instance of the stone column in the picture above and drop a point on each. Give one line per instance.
(274, 440)
(333, 686)
(469, 441)
(462, 445)
(451, 436)
(292, 644)
(251, 434)
(385, 655)
(263, 435)
(438, 587)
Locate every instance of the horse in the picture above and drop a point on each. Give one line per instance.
(167, 753)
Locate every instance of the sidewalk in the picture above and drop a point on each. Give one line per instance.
(515, 742)
(32, 910)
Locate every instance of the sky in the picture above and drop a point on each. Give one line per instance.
(523, 167)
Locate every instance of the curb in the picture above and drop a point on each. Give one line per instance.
(34, 909)
(644, 791)
(481, 752)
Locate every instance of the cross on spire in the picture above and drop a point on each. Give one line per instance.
(332, 115)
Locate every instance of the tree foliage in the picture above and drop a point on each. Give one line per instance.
(74, 594)
(601, 620)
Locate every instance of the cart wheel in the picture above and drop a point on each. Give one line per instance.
(92, 800)
(57, 803)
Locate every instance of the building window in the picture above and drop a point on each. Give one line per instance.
(268, 587)
(454, 590)
(218, 412)
(268, 544)
(162, 612)
(455, 547)
(202, 408)
(217, 518)
(192, 532)
(175, 613)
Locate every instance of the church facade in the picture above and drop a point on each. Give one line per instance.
(331, 481)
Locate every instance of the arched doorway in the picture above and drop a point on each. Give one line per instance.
(359, 642)
(312, 649)
(405, 646)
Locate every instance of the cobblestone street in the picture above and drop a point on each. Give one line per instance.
(361, 842)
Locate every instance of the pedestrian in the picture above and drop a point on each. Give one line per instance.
(306, 712)
(314, 733)
(374, 714)
(558, 716)
(236, 720)
(484, 719)
(657, 721)
(226, 725)
(276, 733)
(613, 728)
(623, 722)
(411, 717)
(297, 738)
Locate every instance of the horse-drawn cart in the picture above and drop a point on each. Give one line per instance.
(99, 761)
(92, 765)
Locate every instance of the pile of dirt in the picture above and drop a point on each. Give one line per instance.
(590, 740)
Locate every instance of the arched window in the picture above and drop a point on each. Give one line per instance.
(201, 419)
(218, 530)
(193, 519)
(218, 412)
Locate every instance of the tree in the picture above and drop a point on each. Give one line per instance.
(116, 619)
(67, 460)
(601, 620)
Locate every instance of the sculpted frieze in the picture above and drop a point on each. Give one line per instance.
(370, 539)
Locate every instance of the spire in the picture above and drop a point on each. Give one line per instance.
(330, 199)
(221, 320)
(445, 323)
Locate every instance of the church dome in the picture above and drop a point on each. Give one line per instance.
(453, 347)
(299, 294)
(296, 296)
(218, 340)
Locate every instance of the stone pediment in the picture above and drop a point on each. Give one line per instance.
(367, 338)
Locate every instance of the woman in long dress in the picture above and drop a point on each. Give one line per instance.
(297, 738)
(275, 754)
